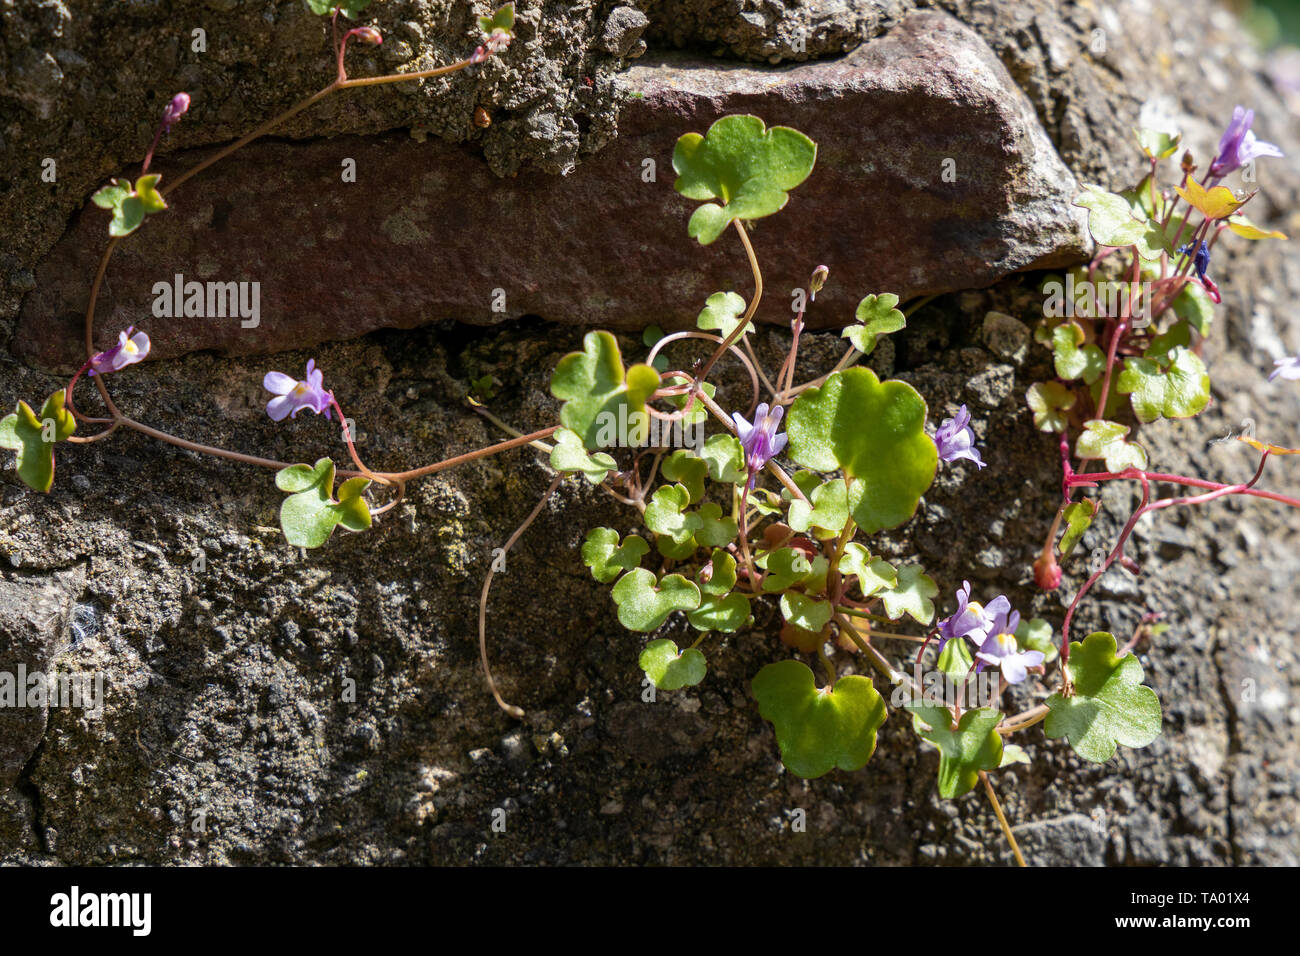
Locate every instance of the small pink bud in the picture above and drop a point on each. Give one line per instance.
(1047, 573)
(367, 35)
(177, 108)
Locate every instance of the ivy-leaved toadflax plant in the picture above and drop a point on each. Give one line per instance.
(784, 500)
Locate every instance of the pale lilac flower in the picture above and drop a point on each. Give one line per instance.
(292, 396)
(974, 620)
(130, 348)
(1001, 650)
(1238, 145)
(1288, 368)
(760, 440)
(956, 439)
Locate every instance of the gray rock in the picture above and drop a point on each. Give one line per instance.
(34, 617)
(953, 184)
(1074, 839)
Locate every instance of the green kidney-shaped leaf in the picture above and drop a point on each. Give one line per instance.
(310, 513)
(819, 729)
(722, 313)
(34, 439)
(674, 528)
(1073, 359)
(644, 605)
(873, 574)
(720, 612)
(747, 167)
(1050, 402)
(829, 512)
(602, 404)
(876, 316)
(804, 612)
(1109, 441)
(725, 458)
(1110, 705)
(1179, 391)
(715, 530)
(912, 595)
(873, 430)
(669, 669)
(1112, 222)
(687, 469)
(110, 196)
(606, 558)
(569, 455)
(785, 567)
(719, 575)
(1036, 635)
(973, 745)
(126, 217)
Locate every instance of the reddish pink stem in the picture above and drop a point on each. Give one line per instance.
(1217, 490)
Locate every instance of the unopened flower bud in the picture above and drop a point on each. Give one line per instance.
(1047, 573)
(819, 277)
(498, 41)
(1188, 165)
(367, 35)
(177, 108)
(706, 573)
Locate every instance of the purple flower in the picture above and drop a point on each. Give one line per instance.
(1238, 145)
(130, 348)
(175, 110)
(292, 396)
(1001, 650)
(1288, 368)
(956, 439)
(974, 620)
(760, 440)
(1201, 261)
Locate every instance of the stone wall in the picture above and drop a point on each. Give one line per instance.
(227, 654)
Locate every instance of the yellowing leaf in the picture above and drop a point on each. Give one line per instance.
(1265, 446)
(1247, 229)
(1216, 203)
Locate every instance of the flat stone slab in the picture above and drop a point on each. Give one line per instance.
(933, 174)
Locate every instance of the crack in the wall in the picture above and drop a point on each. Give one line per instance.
(28, 788)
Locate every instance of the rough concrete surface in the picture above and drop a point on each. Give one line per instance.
(262, 706)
